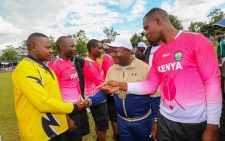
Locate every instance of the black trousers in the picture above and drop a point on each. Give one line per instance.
(175, 131)
(61, 137)
(81, 120)
(222, 123)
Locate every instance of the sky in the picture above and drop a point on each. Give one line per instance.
(20, 18)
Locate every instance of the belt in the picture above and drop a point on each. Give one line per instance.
(136, 118)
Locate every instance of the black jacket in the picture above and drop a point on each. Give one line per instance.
(79, 64)
(147, 54)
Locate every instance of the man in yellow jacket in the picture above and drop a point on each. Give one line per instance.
(40, 112)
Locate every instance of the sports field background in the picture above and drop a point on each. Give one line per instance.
(8, 122)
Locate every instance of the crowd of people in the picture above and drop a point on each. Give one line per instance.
(168, 91)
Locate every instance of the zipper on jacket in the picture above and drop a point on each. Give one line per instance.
(124, 105)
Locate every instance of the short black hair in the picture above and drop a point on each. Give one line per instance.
(92, 43)
(33, 36)
(156, 12)
(60, 41)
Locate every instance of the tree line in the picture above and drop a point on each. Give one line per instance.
(17, 53)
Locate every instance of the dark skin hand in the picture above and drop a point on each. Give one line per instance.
(112, 86)
(86, 103)
(80, 104)
(211, 133)
(154, 130)
(109, 89)
(71, 124)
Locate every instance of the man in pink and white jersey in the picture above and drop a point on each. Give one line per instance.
(186, 68)
(94, 76)
(69, 86)
(107, 60)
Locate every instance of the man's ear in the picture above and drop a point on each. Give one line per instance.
(61, 47)
(129, 52)
(158, 20)
(32, 46)
(91, 49)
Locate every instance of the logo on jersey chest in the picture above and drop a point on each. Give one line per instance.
(73, 76)
(178, 56)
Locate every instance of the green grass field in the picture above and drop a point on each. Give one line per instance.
(8, 122)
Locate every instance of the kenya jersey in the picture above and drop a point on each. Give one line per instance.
(187, 70)
(68, 79)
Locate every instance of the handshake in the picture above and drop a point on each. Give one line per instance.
(111, 86)
(82, 104)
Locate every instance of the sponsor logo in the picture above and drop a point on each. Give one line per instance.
(165, 55)
(170, 67)
(73, 76)
(102, 73)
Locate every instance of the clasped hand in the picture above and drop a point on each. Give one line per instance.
(110, 87)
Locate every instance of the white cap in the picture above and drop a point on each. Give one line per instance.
(141, 44)
(105, 46)
(120, 42)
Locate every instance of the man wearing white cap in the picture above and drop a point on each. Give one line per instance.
(186, 68)
(140, 49)
(133, 111)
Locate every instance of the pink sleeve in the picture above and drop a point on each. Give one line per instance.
(209, 70)
(146, 87)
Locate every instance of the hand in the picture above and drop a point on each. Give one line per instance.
(211, 133)
(112, 86)
(86, 103)
(154, 130)
(121, 85)
(80, 105)
(112, 83)
(110, 89)
(71, 124)
(117, 86)
(99, 86)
